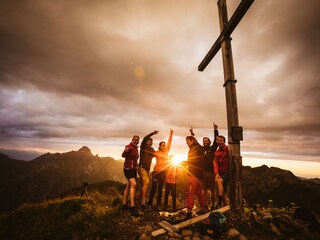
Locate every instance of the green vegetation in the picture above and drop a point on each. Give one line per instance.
(257, 219)
(69, 218)
(97, 217)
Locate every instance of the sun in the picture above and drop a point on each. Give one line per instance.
(176, 159)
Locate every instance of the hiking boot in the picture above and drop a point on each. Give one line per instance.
(189, 215)
(134, 212)
(203, 210)
(124, 207)
(144, 207)
(218, 206)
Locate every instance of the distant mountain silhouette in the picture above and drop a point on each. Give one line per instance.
(315, 180)
(261, 184)
(52, 174)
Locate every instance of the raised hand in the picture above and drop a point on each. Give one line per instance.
(126, 149)
(191, 130)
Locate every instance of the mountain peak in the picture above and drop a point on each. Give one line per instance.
(85, 149)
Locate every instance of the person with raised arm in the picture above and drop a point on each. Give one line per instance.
(195, 171)
(131, 155)
(208, 172)
(160, 170)
(221, 170)
(146, 155)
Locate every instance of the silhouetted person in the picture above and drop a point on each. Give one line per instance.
(171, 185)
(160, 170)
(194, 186)
(208, 180)
(146, 155)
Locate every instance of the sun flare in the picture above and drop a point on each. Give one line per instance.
(178, 158)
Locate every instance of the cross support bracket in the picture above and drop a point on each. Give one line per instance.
(236, 134)
(229, 81)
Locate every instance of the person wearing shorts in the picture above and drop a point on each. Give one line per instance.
(131, 155)
(146, 155)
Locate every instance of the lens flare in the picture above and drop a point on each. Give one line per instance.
(178, 158)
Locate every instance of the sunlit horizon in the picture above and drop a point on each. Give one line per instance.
(301, 168)
(306, 169)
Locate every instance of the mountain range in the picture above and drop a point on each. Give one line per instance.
(261, 184)
(52, 175)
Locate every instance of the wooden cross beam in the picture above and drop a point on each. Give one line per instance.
(226, 32)
(234, 130)
(167, 227)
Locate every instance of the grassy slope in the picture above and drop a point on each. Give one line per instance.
(68, 218)
(98, 217)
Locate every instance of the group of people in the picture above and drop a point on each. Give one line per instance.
(207, 166)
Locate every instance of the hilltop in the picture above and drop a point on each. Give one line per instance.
(52, 184)
(53, 174)
(99, 216)
(263, 183)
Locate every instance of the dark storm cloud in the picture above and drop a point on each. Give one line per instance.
(63, 48)
(50, 47)
(111, 69)
(284, 54)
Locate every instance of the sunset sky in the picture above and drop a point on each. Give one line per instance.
(94, 73)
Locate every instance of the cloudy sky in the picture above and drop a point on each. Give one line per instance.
(75, 73)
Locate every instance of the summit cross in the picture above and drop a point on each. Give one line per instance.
(234, 130)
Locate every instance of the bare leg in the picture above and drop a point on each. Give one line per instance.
(143, 194)
(208, 197)
(213, 197)
(226, 196)
(133, 184)
(220, 191)
(126, 193)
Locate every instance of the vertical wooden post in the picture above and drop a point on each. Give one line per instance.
(232, 112)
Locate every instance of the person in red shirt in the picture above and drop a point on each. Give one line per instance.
(131, 155)
(221, 170)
